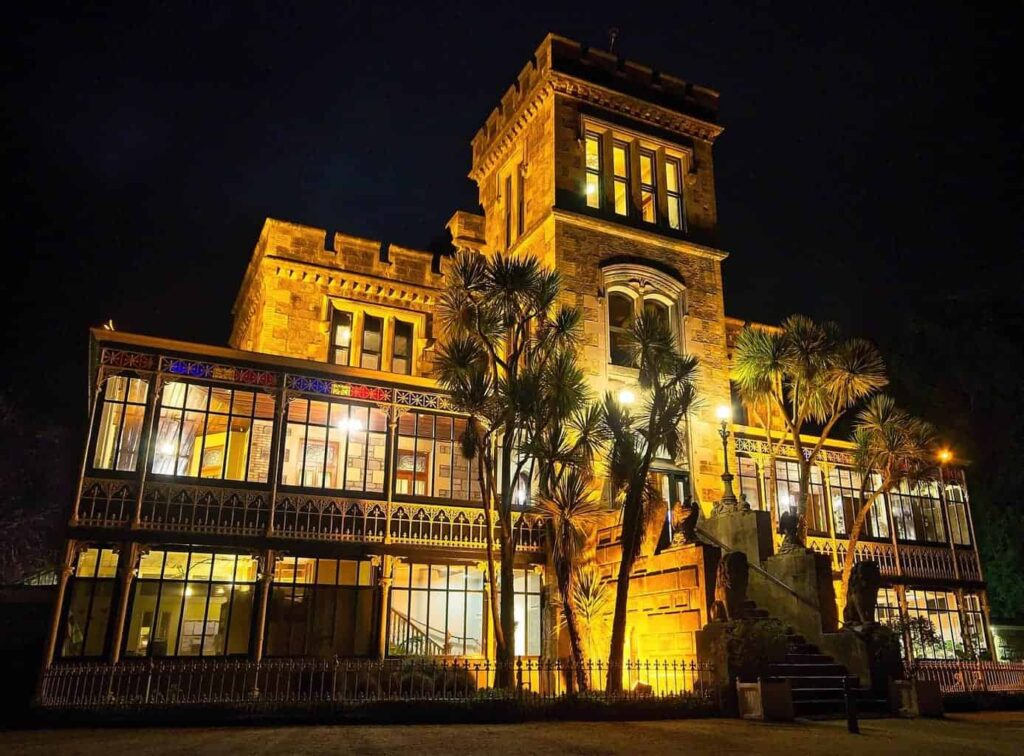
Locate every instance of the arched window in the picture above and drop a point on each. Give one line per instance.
(620, 313)
(634, 288)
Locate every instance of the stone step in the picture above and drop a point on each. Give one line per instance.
(819, 707)
(801, 658)
(818, 694)
(816, 681)
(789, 669)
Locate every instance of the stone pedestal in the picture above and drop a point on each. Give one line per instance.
(712, 648)
(749, 532)
(809, 575)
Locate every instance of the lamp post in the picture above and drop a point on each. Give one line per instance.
(724, 415)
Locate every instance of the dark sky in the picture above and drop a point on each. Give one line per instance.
(869, 157)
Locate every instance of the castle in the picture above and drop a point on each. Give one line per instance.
(300, 492)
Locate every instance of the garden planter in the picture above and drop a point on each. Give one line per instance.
(915, 698)
(770, 700)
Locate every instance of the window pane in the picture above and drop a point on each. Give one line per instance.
(646, 168)
(193, 628)
(620, 309)
(402, 348)
(372, 333)
(593, 152)
(672, 175)
(619, 160)
(593, 190)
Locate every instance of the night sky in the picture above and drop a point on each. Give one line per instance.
(869, 161)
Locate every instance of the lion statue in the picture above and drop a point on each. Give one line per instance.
(684, 522)
(789, 528)
(730, 587)
(862, 594)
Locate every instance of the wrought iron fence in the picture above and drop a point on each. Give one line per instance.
(971, 676)
(282, 682)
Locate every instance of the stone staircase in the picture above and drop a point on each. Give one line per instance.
(817, 679)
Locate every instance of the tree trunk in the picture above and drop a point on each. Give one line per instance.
(851, 546)
(569, 611)
(802, 502)
(505, 676)
(630, 531)
(486, 482)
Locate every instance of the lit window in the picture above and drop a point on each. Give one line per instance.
(373, 329)
(593, 172)
(917, 512)
(787, 479)
(120, 425)
(648, 192)
(747, 474)
(674, 194)
(527, 613)
(213, 432)
(620, 178)
(620, 313)
(956, 507)
(341, 338)
(334, 445)
(429, 460)
(401, 361)
(436, 610)
(192, 604)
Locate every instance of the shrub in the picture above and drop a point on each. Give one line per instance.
(753, 645)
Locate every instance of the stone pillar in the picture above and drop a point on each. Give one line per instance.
(127, 569)
(809, 576)
(747, 531)
(67, 569)
(267, 563)
(385, 564)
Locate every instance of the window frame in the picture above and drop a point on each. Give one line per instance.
(184, 410)
(209, 582)
(595, 173)
(367, 318)
(650, 188)
(336, 315)
(399, 323)
(472, 480)
(624, 180)
(333, 434)
(675, 198)
(102, 402)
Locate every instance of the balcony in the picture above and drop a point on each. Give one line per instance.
(171, 507)
(927, 562)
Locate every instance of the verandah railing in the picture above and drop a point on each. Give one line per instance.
(188, 508)
(280, 682)
(972, 676)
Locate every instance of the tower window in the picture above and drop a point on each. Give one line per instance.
(648, 192)
(520, 203)
(620, 177)
(341, 338)
(508, 211)
(373, 329)
(593, 164)
(674, 194)
(620, 312)
(401, 361)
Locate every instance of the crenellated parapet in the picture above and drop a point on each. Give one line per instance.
(609, 81)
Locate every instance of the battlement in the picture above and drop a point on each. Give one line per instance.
(560, 55)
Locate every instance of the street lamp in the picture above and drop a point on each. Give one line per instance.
(626, 397)
(724, 415)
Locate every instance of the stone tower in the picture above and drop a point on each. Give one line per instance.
(602, 168)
